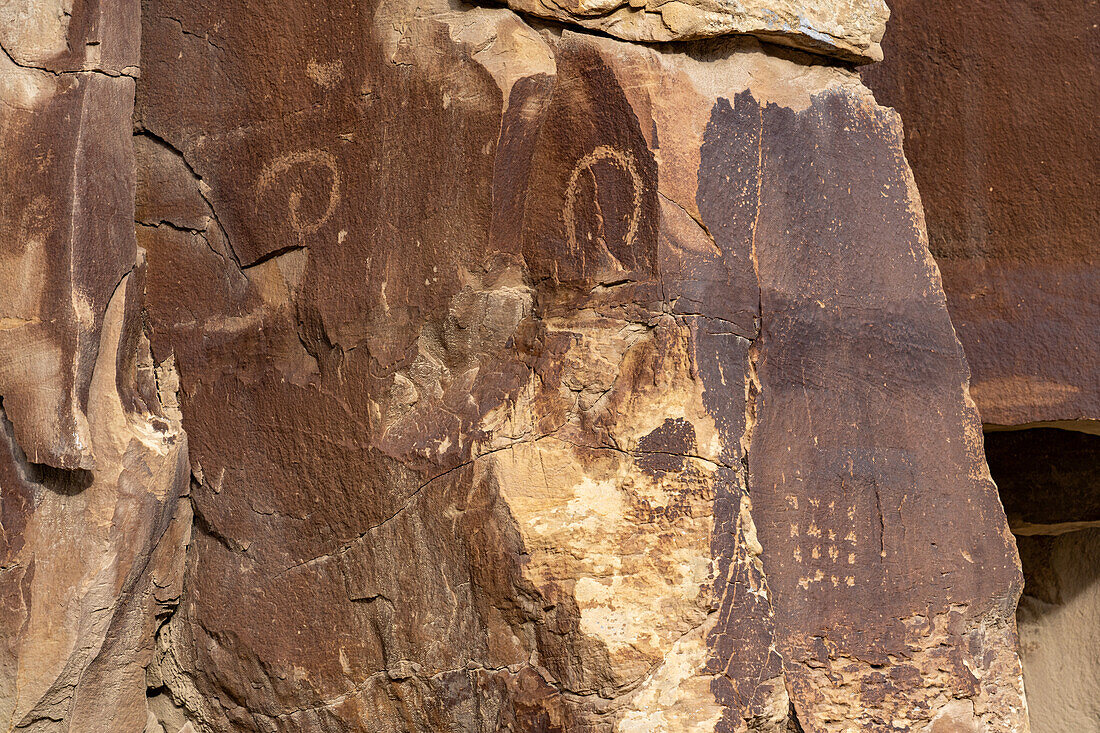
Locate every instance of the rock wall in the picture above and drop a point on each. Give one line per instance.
(93, 459)
(532, 380)
(847, 29)
(1001, 132)
(1058, 638)
(1047, 479)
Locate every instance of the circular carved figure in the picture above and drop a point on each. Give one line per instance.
(309, 158)
(622, 160)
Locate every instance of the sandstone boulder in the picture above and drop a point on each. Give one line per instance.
(847, 29)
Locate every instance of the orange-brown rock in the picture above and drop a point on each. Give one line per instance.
(93, 459)
(847, 29)
(532, 380)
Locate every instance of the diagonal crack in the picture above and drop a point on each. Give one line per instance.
(113, 74)
(344, 548)
(202, 190)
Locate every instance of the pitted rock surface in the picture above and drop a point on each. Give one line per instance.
(458, 374)
(1000, 129)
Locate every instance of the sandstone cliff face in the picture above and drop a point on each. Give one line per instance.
(532, 380)
(1000, 128)
(93, 460)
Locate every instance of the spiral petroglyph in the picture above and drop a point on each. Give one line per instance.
(284, 163)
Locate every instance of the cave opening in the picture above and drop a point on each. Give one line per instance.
(1049, 481)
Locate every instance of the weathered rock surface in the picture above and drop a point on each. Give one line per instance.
(532, 380)
(1047, 479)
(999, 103)
(529, 382)
(93, 460)
(847, 29)
(66, 224)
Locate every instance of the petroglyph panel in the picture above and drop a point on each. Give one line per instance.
(532, 380)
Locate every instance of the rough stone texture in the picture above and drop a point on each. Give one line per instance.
(999, 101)
(91, 561)
(72, 35)
(68, 240)
(1059, 637)
(847, 29)
(532, 380)
(92, 456)
(511, 362)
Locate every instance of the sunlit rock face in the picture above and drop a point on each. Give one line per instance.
(470, 374)
(846, 29)
(999, 130)
(93, 460)
(1047, 479)
(1058, 635)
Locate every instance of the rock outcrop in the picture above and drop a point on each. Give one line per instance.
(1001, 133)
(532, 380)
(847, 29)
(93, 460)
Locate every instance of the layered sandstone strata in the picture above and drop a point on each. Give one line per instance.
(847, 29)
(532, 380)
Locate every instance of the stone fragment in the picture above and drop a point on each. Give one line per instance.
(885, 497)
(847, 29)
